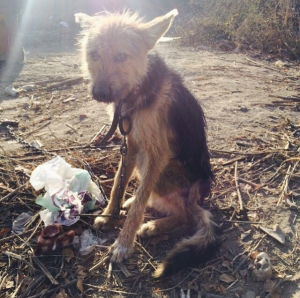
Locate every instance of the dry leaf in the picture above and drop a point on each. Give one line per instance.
(222, 289)
(80, 271)
(277, 233)
(62, 294)
(4, 231)
(9, 284)
(226, 278)
(227, 265)
(254, 254)
(79, 284)
(68, 254)
(208, 286)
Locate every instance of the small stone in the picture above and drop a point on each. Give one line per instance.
(25, 106)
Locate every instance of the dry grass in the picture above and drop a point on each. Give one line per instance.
(265, 26)
(22, 276)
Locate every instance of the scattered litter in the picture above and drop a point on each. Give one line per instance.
(276, 233)
(10, 90)
(18, 225)
(28, 87)
(87, 242)
(53, 238)
(262, 267)
(69, 191)
(35, 144)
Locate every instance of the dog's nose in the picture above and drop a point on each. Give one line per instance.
(101, 92)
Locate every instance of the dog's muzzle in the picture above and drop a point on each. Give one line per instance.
(102, 93)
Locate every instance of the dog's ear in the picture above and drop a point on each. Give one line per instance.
(83, 19)
(156, 28)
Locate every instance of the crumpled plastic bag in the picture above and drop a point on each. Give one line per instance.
(18, 225)
(87, 242)
(69, 192)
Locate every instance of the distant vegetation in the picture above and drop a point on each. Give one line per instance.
(266, 26)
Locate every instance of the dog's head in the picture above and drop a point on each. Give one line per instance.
(115, 48)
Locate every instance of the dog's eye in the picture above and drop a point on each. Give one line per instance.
(121, 57)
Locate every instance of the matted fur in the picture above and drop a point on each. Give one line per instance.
(167, 144)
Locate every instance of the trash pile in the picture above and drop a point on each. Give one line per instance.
(69, 192)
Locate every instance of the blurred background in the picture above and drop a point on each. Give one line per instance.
(267, 26)
(50, 20)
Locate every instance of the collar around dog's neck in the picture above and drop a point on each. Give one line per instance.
(118, 118)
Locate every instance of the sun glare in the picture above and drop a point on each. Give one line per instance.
(15, 48)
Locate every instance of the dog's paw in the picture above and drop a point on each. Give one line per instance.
(103, 223)
(127, 204)
(148, 229)
(120, 252)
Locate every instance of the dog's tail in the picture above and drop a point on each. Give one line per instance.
(199, 248)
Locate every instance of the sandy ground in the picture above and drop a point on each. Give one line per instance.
(241, 97)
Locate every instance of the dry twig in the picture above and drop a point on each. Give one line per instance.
(237, 187)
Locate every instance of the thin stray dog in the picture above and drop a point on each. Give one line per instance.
(166, 145)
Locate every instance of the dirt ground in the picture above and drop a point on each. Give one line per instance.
(252, 109)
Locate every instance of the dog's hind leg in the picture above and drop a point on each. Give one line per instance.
(107, 223)
(197, 249)
(160, 226)
(127, 204)
(171, 205)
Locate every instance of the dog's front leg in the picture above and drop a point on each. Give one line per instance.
(151, 169)
(107, 223)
